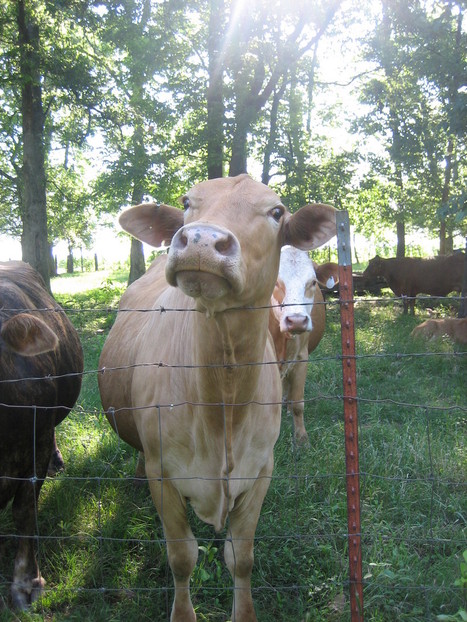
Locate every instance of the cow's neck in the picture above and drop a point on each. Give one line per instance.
(231, 347)
(230, 367)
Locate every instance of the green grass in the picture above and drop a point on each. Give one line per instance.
(103, 554)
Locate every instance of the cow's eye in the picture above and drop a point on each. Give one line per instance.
(310, 287)
(277, 213)
(186, 203)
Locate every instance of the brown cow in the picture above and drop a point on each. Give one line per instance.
(297, 321)
(37, 351)
(196, 397)
(409, 276)
(453, 327)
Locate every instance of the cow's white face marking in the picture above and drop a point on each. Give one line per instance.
(299, 281)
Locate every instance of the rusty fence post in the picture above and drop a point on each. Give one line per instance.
(349, 377)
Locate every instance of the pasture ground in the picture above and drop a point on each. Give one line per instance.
(101, 548)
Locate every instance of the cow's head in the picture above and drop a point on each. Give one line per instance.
(297, 283)
(373, 269)
(225, 247)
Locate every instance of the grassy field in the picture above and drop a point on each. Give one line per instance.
(101, 548)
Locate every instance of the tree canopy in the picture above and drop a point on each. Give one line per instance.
(108, 103)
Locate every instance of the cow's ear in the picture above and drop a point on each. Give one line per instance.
(28, 335)
(327, 274)
(311, 226)
(153, 223)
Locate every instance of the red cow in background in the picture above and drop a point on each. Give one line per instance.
(409, 276)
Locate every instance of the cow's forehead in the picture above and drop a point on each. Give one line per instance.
(241, 189)
(295, 264)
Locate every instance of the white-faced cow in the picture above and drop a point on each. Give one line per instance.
(297, 321)
(196, 397)
(41, 362)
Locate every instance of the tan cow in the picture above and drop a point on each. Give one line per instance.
(453, 327)
(196, 397)
(297, 321)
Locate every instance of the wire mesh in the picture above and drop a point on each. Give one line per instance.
(102, 549)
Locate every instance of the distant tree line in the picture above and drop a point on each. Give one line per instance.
(106, 103)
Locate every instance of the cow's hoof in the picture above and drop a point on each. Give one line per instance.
(302, 440)
(24, 594)
(56, 463)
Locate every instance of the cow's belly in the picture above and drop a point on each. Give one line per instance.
(183, 447)
(213, 498)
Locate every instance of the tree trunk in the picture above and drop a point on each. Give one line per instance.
(400, 228)
(137, 264)
(442, 237)
(311, 87)
(268, 150)
(254, 85)
(394, 120)
(443, 233)
(463, 305)
(449, 243)
(140, 159)
(69, 261)
(35, 248)
(239, 155)
(52, 262)
(215, 95)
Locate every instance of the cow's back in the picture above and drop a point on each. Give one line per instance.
(438, 276)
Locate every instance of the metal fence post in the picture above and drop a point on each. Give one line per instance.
(349, 377)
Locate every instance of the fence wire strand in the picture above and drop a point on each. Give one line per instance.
(295, 479)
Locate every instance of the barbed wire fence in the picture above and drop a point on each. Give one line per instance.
(359, 589)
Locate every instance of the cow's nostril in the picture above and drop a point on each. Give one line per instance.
(296, 322)
(225, 245)
(180, 241)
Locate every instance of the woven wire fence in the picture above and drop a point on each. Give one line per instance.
(101, 548)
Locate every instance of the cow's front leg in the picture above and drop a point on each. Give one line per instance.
(27, 581)
(182, 547)
(56, 463)
(238, 552)
(140, 472)
(296, 397)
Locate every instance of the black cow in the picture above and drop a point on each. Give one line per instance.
(41, 362)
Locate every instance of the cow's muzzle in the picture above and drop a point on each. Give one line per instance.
(295, 323)
(205, 261)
